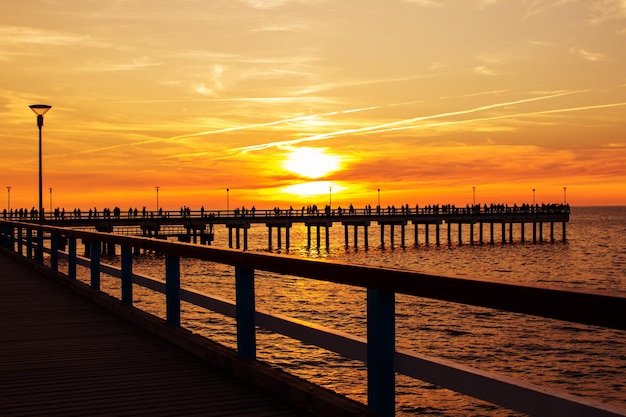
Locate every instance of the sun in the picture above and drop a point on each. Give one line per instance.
(311, 162)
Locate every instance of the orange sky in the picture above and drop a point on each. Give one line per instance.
(279, 100)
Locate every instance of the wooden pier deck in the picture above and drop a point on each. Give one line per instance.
(63, 355)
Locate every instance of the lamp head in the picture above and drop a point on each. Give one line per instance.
(40, 109)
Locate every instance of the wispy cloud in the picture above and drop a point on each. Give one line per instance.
(20, 35)
(589, 56)
(608, 10)
(130, 65)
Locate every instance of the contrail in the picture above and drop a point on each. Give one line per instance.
(390, 126)
(273, 123)
(230, 129)
(507, 116)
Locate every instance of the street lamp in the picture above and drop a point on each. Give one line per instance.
(474, 195)
(227, 201)
(50, 199)
(534, 204)
(9, 198)
(40, 110)
(564, 195)
(330, 197)
(379, 197)
(157, 195)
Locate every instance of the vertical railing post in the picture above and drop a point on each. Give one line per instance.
(172, 289)
(9, 238)
(54, 252)
(3, 235)
(95, 265)
(71, 259)
(20, 240)
(244, 293)
(39, 251)
(380, 352)
(127, 275)
(29, 243)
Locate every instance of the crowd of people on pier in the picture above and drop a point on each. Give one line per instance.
(311, 210)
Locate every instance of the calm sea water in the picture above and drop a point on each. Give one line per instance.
(578, 359)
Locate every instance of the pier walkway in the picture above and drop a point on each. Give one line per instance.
(61, 354)
(503, 223)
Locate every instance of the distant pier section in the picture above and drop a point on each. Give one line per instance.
(427, 225)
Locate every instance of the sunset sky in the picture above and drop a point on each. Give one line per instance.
(279, 100)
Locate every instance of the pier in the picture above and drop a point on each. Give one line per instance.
(38, 247)
(427, 225)
(62, 354)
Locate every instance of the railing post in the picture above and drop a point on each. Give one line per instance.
(39, 251)
(9, 237)
(29, 243)
(127, 275)
(380, 352)
(3, 235)
(71, 259)
(20, 238)
(54, 252)
(246, 335)
(95, 265)
(172, 289)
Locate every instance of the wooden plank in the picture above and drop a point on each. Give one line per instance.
(61, 355)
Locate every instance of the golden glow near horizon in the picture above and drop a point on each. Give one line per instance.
(280, 100)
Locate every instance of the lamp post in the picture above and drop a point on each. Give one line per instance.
(534, 197)
(564, 195)
(40, 110)
(379, 197)
(157, 197)
(227, 201)
(50, 199)
(9, 198)
(330, 197)
(474, 195)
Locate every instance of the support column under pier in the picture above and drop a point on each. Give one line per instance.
(279, 237)
(402, 230)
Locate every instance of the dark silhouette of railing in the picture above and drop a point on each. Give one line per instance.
(378, 349)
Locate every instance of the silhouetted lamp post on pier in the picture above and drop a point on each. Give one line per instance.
(534, 203)
(564, 195)
(157, 197)
(474, 195)
(227, 201)
(9, 198)
(50, 199)
(40, 110)
(330, 197)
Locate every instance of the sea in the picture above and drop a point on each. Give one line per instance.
(577, 359)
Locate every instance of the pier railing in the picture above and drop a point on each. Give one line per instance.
(378, 349)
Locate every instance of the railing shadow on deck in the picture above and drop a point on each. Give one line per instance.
(378, 349)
